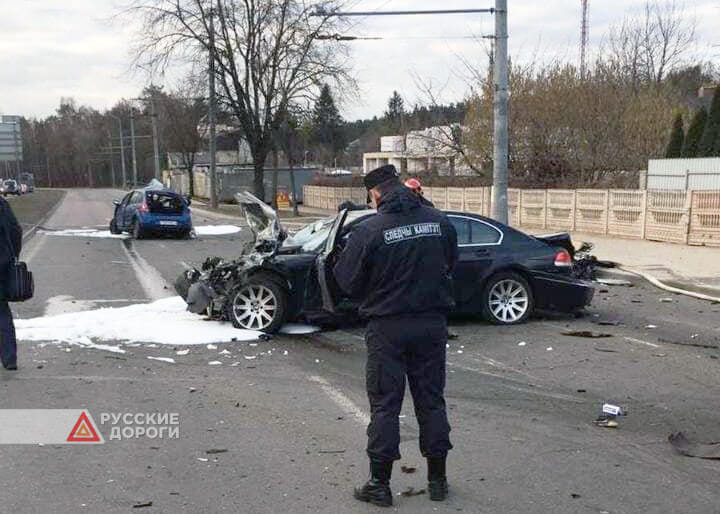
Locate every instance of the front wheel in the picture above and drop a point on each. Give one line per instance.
(259, 304)
(507, 299)
(113, 227)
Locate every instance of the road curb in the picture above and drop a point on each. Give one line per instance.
(29, 233)
(660, 285)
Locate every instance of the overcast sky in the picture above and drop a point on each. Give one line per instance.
(55, 48)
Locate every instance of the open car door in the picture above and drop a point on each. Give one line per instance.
(324, 264)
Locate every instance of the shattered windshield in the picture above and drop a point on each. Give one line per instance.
(311, 238)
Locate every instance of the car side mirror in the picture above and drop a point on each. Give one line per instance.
(188, 199)
(116, 202)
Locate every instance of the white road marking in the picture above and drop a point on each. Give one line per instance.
(345, 403)
(151, 281)
(557, 396)
(640, 341)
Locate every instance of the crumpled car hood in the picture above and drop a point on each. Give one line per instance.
(263, 222)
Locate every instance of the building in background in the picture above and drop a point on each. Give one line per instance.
(11, 148)
(700, 174)
(420, 151)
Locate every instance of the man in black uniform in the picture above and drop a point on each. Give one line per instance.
(399, 262)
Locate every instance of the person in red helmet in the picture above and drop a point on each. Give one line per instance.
(415, 186)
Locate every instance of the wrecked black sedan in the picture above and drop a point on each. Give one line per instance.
(502, 274)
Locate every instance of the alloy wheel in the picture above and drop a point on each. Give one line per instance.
(254, 307)
(509, 300)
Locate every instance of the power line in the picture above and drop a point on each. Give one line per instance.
(322, 12)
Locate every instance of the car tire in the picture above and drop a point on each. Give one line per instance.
(137, 231)
(507, 299)
(113, 227)
(259, 304)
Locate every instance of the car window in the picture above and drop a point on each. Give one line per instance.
(482, 233)
(136, 198)
(462, 227)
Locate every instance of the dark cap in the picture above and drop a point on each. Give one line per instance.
(380, 175)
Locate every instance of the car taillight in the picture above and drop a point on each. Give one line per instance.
(563, 259)
(143, 207)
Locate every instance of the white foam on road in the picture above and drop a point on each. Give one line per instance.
(298, 329)
(202, 230)
(90, 232)
(164, 322)
(217, 230)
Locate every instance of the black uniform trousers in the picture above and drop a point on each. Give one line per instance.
(412, 346)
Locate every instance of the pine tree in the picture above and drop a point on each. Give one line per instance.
(395, 114)
(711, 135)
(674, 149)
(694, 133)
(328, 126)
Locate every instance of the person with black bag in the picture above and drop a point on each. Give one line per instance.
(10, 246)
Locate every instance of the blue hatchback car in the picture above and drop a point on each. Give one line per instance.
(149, 211)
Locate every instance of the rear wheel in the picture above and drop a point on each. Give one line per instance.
(507, 299)
(260, 304)
(137, 230)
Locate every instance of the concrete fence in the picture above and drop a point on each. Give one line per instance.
(685, 217)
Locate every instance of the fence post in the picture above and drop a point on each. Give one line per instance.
(607, 212)
(644, 213)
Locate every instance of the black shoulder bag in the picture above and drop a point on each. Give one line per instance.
(20, 285)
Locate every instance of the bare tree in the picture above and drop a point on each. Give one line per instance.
(181, 114)
(266, 53)
(646, 47)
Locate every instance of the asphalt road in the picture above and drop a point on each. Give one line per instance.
(292, 418)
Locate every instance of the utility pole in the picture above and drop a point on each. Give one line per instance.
(156, 152)
(211, 113)
(132, 143)
(17, 159)
(47, 166)
(500, 151)
(112, 160)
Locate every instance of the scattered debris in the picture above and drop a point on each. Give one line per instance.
(696, 345)
(606, 350)
(609, 415)
(651, 326)
(265, 337)
(201, 459)
(452, 335)
(212, 347)
(163, 359)
(666, 300)
(608, 323)
(214, 363)
(549, 349)
(575, 496)
(586, 333)
(614, 282)
(522, 343)
(214, 451)
(636, 301)
(408, 469)
(410, 491)
(250, 357)
(331, 451)
(192, 389)
(182, 352)
(141, 505)
(224, 352)
(694, 336)
(699, 450)
(459, 351)
(659, 354)
(582, 390)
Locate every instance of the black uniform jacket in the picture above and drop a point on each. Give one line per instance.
(400, 260)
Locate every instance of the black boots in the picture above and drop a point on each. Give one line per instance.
(377, 489)
(437, 479)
